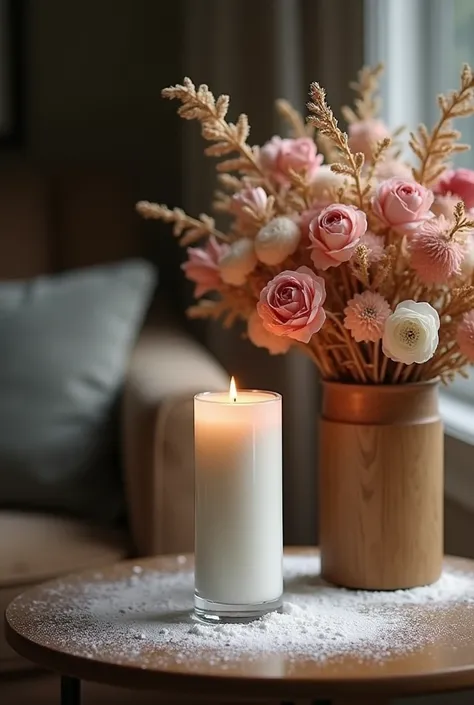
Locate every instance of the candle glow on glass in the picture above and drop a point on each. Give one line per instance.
(232, 390)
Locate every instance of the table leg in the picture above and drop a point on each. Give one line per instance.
(70, 691)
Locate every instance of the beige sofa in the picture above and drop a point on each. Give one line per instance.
(59, 219)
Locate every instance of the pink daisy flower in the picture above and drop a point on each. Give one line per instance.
(465, 336)
(365, 316)
(435, 256)
(375, 246)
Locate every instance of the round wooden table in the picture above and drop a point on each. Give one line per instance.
(42, 626)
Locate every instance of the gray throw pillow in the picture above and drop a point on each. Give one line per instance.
(64, 347)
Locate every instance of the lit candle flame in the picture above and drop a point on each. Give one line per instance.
(232, 390)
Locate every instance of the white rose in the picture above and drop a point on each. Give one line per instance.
(277, 240)
(236, 265)
(325, 182)
(411, 333)
(262, 338)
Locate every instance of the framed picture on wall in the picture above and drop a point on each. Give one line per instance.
(11, 72)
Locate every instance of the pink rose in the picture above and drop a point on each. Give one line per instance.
(202, 266)
(457, 182)
(335, 233)
(401, 204)
(364, 135)
(248, 202)
(291, 304)
(280, 156)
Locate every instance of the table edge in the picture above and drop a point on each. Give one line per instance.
(456, 678)
(190, 683)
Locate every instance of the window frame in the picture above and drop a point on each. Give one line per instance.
(416, 71)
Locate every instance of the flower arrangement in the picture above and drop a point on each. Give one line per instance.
(335, 244)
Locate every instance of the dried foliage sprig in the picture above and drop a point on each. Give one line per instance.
(380, 150)
(434, 148)
(193, 229)
(200, 104)
(294, 119)
(323, 118)
(461, 223)
(367, 104)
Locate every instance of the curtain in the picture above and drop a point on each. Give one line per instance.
(257, 52)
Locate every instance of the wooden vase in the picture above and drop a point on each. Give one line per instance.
(381, 485)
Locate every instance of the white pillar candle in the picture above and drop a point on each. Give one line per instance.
(239, 541)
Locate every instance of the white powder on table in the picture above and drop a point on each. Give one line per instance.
(150, 611)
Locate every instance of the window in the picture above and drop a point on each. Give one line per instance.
(453, 32)
(423, 44)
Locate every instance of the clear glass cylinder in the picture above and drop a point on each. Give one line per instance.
(238, 523)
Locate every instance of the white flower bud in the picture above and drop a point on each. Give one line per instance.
(325, 183)
(277, 240)
(411, 333)
(236, 265)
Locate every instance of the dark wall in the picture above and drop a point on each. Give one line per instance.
(93, 72)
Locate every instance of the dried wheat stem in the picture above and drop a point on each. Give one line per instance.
(398, 371)
(407, 372)
(323, 355)
(419, 373)
(383, 371)
(376, 358)
(352, 348)
(309, 352)
(336, 353)
(442, 363)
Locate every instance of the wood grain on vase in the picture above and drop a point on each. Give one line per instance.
(381, 486)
